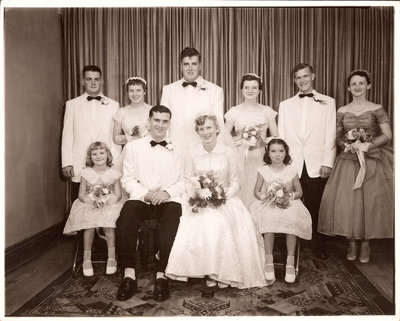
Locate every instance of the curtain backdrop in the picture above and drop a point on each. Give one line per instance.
(146, 42)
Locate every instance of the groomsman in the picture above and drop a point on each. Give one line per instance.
(307, 122)
(152, 177)
(191, 96)
(88, 118)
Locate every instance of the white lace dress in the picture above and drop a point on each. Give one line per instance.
(84, 216)
(295, 219)
(219, 242)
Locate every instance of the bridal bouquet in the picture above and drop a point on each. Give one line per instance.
(278, 195)
(206, 192)
(99, 194)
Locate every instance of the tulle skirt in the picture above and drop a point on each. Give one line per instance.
(366, 212)
(219, 242)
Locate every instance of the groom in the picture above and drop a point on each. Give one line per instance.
(307, 122)
(152, 177)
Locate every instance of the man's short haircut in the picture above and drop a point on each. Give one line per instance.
(301, 66)
(93, 68)
(189, 52)
(160, 109)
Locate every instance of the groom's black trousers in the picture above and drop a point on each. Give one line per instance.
(131, 218)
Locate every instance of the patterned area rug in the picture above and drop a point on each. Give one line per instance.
(324, 287)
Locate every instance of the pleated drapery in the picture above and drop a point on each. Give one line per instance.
(233, 41)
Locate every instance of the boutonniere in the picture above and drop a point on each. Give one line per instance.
(316, 99)
(170, 146)
(203, 87)
(104, 101)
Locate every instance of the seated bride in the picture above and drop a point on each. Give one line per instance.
(216, 238)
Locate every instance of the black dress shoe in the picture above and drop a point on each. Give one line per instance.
(208, 291)
(126, 289)
(161, 289)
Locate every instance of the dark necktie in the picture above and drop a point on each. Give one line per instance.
(89, 98)
(154, 143)
(185, 84)
(306, 95)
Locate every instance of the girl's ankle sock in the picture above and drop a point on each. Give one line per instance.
(290, 260)
(111, 253)
(87, 255)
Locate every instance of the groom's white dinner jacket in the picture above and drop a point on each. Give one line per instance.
(148, 168)
(84, 123)
(308, 125)
(186, 103)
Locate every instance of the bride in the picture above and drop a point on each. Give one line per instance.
(216, 242)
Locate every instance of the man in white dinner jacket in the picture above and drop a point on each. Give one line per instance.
(153, 178)
(191, 96)
(88, 118)
(307, 122)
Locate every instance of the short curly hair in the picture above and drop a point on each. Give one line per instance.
(251, 77)
(200, 120)
(94, 146)
(361, 73)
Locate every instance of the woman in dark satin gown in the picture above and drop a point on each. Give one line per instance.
(358, 201)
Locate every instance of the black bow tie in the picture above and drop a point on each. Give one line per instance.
(306, 95)
(89, 98)
(185, 84)
(162, 143)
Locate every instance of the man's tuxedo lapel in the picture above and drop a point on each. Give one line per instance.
(294, 118)
(312, 118)
(87, 119)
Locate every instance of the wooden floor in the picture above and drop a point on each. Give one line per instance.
(23, 283)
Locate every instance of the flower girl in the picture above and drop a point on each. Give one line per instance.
(278, 208)
(97, 206)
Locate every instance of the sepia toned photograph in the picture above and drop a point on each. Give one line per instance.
(209, 159)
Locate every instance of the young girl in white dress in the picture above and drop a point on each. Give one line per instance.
(279, 208)
(97, 205)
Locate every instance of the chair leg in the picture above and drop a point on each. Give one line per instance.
(297, 257)
(75, 265)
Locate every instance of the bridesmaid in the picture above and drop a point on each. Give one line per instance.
(238, 118)
(130, 122)
(356, 204)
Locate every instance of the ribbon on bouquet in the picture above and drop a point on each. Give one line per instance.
(361, 173)
(359, 149)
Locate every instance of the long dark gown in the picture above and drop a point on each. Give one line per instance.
(366, 212)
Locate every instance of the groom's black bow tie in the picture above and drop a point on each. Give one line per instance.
(89, 98)
(193, 83)
(306, 95)
(162, 143)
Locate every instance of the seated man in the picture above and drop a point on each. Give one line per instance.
(152, 177)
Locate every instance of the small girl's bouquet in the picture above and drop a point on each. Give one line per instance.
(206, 192)
(99, 194)
(278, 195)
